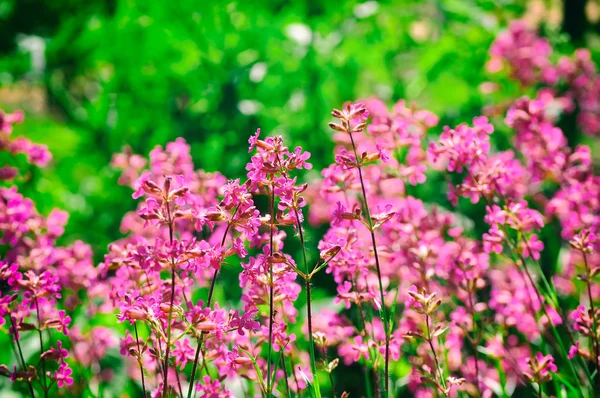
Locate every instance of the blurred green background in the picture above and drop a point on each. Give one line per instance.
(97, 75)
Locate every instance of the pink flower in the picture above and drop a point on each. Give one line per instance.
(574, 350)
(8, 119)
(252, 141)
(64, 322)
(493, 240)
(533, 247)
(63, 375)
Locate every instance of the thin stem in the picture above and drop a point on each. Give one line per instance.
(377, 266)
(475, 342)
(362, 315)
(594, 337)
(39, 319)
(168, 349)
(179, 384)
(329, 371)
(137, 339)
(307, 280)
(159, 368)
(552, 292)
(271, 293)
(216, 273)
(293, 365)
(211, 289)
(332, 385)
(285, 375)
(377, 384)
(368, 383)
(435, 358)
(170, 318)
(14, 326)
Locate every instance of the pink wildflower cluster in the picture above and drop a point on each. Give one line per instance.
(383, 248)
(528, 59)
(42, 282)
(190, 225)
(36, 154)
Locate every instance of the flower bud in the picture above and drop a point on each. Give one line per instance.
(206, 326)
(337, 127)
(320, 339)
(151, 188)
(242, 361)
(332, 365)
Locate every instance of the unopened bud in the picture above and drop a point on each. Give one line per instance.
(206, 326)
(332, 365)
(242, 361)
(337, 127)
(167, 184)
(320, 339)
(151, 187)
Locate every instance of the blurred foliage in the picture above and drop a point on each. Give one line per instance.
(143, 73)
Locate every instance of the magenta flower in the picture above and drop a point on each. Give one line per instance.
(63, 375)
(533, 247)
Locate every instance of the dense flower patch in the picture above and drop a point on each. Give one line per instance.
(472, 314)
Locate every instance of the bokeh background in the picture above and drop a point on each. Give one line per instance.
(95, 76)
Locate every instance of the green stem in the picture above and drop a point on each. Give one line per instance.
(377, 266)
(594, 337)
(39, 319)
(14, 326)
(137, 339)
(475, 341)
(285, 375)
(271, 293)
(435, 358)
(170, 319)
(307, 280)
(211, 290)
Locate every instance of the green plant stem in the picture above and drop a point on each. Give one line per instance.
(332, 385)
(20, 351)
(179, 384)
(211, 290)
(435, 358)
(377, 266)
(368, 383)
(137, 339)
(39, 319)
(307, 280)
(271, 293)
(594, 337)
(329, 372)
(170, 317)
(476, 341)
(285, 374)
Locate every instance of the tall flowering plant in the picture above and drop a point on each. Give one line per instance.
(190, 225)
